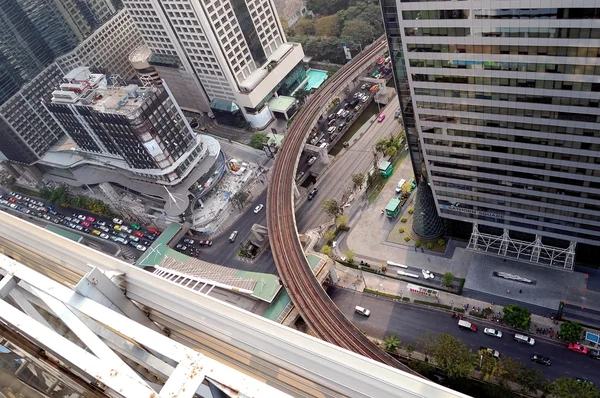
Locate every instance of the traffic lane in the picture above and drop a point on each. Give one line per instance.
(389, 317)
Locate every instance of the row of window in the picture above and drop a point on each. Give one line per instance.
(553, 51)
(507, 66)
(503, 96)
(507, 82)
(514, 13)
(546, 33)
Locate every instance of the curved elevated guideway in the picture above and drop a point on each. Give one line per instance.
(313, 303)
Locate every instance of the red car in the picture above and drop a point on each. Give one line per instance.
(90, 219)
(154, 230)
(205, 243)
(12, 200)
(578, 348)
(138, 234)
(85, 224)
(381, 117)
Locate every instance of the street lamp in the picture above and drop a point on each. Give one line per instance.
(480, 361)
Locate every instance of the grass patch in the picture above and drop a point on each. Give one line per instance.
(378, 293)
(26, 191)
(373, 193)
(438, 305)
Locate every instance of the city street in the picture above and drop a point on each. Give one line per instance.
(357, 159)
(410, 322)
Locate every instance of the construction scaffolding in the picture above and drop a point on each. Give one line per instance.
(534, 252)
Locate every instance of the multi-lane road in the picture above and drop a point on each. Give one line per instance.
(410, 322)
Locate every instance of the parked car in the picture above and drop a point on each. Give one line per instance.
(205, 242)
(117, 227)
(125, 228)
(397, 113)
(313, 193)
(96, 232)
(311, 160)
(104, 236)
(258, 208)
(90, 219)
(139, 234)
(523, 338)
(135, 226)
(494, 353)
(362, 311)
(102, 223)
(427, 274)
(467, 325)
(363, 86)
(134, 238)
(493, 332)
(141, 248)
(578, 348)
(85, 224)
(594, 354)
(586, 381)
(117, 221)
(188, 241)
(331, 129)
(123, 235)
(542, 360)
(381, 117)
(155, 231)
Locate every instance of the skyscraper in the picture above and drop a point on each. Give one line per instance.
(501, 107)
(232, 51)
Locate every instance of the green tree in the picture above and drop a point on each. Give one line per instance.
(331, 207)
(342, 222)
(301, 96)
(349, 253)
(517, 317)
(303, 27)
(358, 180)
(566, 387)
(359, 31)
(530, 379)
(240, 198)
(45, 193)
(426, 345)
(326, 250)
(329, 235)
(410, 348)
(453, 356)
(392, 343)
(448, 279)
(327, 26)
(490, 366)
(326, 7)
(368, 12)
(570, 331)
(257, 140)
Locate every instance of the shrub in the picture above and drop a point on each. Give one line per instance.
(406, 238)
(429, 245)
(406, 299)
(441, 242)
(411, 211)
(403, 219)
(326, 250)
(401, 230)
(417, 244)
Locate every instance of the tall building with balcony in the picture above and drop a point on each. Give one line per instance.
(501, 105)
(229, 57)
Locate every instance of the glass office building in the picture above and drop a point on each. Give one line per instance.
(506, 118)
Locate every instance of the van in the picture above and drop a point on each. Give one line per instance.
(340, 112)
(523, 338)
(399, 186)
(233, 236)
(362, 311)
(467, 325)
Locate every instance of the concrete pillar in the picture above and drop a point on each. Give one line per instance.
(296, 191)
(324, 156)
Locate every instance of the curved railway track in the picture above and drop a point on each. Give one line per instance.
(313, 303)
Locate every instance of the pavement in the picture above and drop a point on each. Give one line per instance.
(412, 321)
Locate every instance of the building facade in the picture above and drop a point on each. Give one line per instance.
(230, 50)
(504, 100)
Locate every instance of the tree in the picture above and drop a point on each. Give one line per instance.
(329, 235)
(368, 12)
(359, 31)
(358, 180)
(326, 250)
(303, 27)
(331, 207)
(342, 222)
(349, 255)
(240, 198)
(409, 350)
(453, 356)
(326, 7)
(517, 317)
(45, 193)
(392, 343)
(257, 140)
(530, 379)
(448, 279)
(327, 26)
(426, 345)
(490, 366)
(301, 96)
(570, 331)
(566, 387)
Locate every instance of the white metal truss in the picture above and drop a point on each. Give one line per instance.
(94, 324)
(535, 252)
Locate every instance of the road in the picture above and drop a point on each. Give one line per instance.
(223, 252)
(410, 322)
(358, 159)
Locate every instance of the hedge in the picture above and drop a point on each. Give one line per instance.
(444, 306)
(378, 293)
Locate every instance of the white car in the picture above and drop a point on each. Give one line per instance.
(258, 208)
(117, 221)
(104, 236)
(493, 332)
(81, 217)
(427, 274)
(141, 248)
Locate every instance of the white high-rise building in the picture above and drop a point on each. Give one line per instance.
(233, 52)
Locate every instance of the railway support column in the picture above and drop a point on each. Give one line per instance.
(296, 191)
(324, 156)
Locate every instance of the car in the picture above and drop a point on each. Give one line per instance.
(134, 238)
(578, 348)
(331, 117)
(103, 228)
(381, 117)
(85, 224)
(139, 234)
(331, 123)
(363, 86)
(12, 200)
(258, 208)
(427, 274)
(79, 227)
(542, 360)
(357, 107)
(381, 61)
(188, 241)
(96, 232)
(313, 193)
(594, 354)
(18, 197)
(114, 233)
(356, 94)
(27, 211)
(101, 223)
(117, 227)
(466, 325)
(117, 221)
(342, 125)
(376, 75)
(56, 221)
(150, 236)
(493, 332)
(362, 311)
(205, 242)
(46, 217)
(331, 129)
(53, 212)
(135, 226)
(178, 246)
(141, 248)
(397, 113)
(586, 381)
(132, 243)
(81, 217)
(122, 235)
(232, 237)
(146, 243)
(114, 238)
(494, 353)
(523, 338)
(154, 230)
(125, 228)
(311, 160)
(104, 236)
(86, 230)
(90, 219)
(365, 98)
